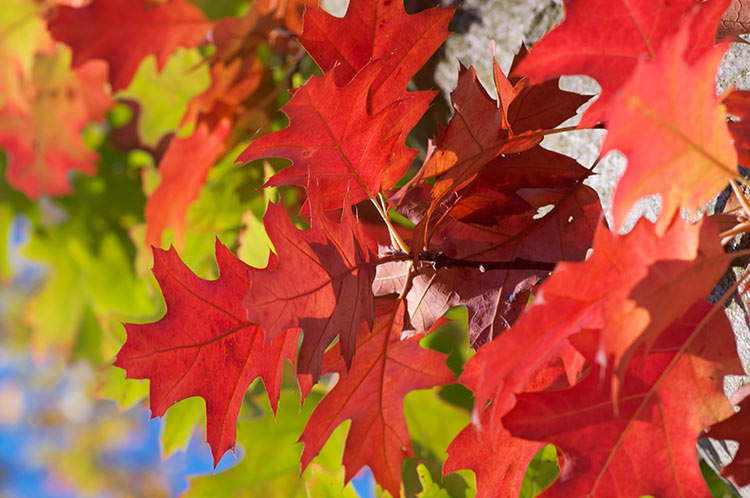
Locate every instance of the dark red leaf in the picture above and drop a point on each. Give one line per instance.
(321, 281)
(736, 428)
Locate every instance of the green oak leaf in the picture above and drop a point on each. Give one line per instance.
(164, 95)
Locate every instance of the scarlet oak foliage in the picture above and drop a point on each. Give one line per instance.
(622, 289)
(606, 40)
(371, 394)
(668, 397)
(615, 357)
(320, 282)
(183, 170)
(204, 346)
(124, 32)
(676, 138)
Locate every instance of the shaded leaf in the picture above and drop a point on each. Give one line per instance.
(320, 281)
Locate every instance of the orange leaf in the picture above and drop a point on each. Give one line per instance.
(674, 135)
(183, 170)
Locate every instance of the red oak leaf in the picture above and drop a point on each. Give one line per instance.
(360, 138)
(183, 170)
(737, 429)
(606, 40)
(499, 464)
(333, 138)
(499, 460)
(124, 32)
(483, 131)
(42, 131)
(536, 106)
(632, 287)
(204, 346)
(738, 105)
(520, 183)
(481, 127)
(644, 443)
(320, 281)
(476, 134)
(675, 137)
(371, 394)
(371, 30)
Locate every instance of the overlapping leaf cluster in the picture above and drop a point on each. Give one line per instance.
(615, 358)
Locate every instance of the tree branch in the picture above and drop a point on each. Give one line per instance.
(439, 260)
